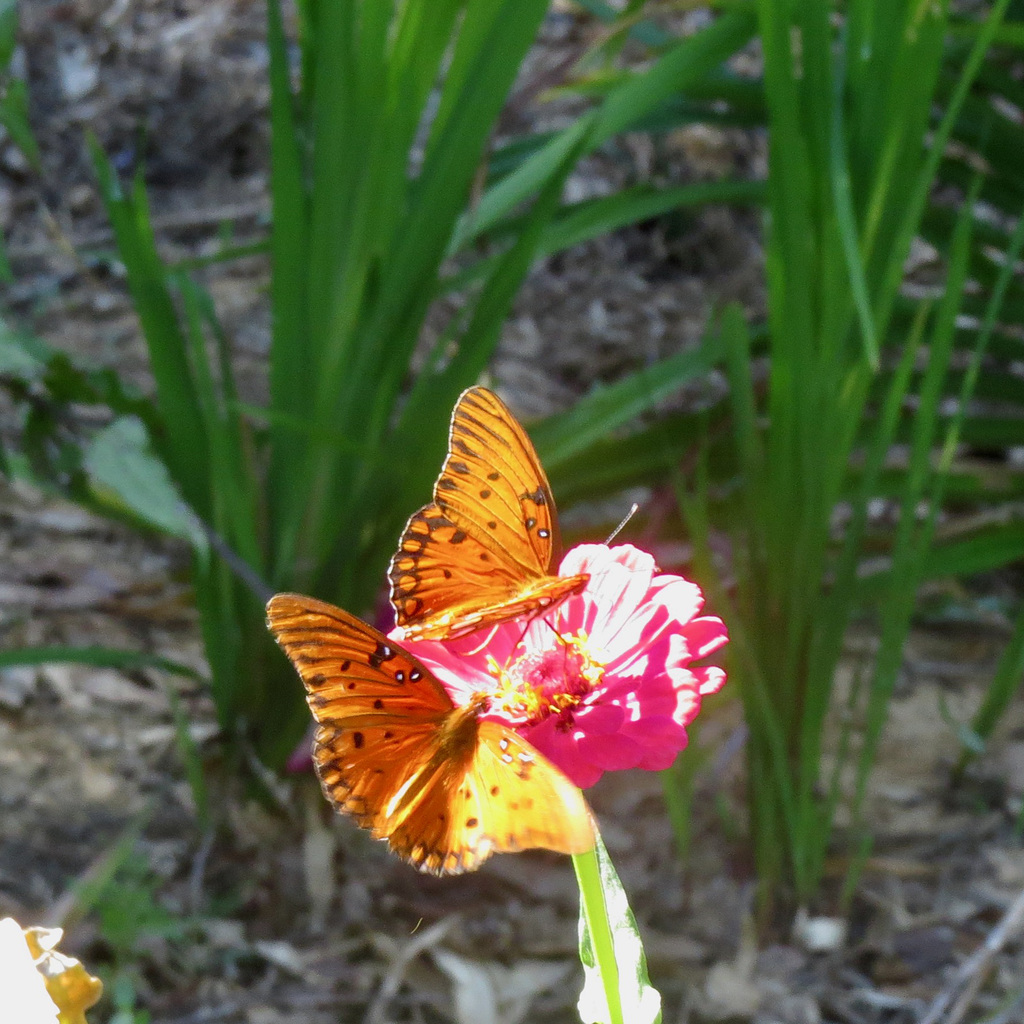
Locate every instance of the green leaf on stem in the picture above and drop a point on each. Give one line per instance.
(616, 987)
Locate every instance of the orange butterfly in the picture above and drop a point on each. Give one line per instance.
(487, 548)
(443, 787)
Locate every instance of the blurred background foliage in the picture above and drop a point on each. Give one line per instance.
(894, 127)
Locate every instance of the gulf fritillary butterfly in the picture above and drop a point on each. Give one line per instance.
(445, 789)
(487, 548)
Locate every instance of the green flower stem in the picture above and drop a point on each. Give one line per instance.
(595, 913)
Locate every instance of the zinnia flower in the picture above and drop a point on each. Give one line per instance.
(606, 679)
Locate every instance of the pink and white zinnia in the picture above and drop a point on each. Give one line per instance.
(605, 680)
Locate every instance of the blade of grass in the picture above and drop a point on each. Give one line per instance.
(97, 656)
(183, 446)
(911, 543)
(1005, 684)
(611, 406)
(688, 62)
(842, 195)
(289, 376)
(893, 272)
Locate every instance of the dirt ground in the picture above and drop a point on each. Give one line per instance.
(278, 911)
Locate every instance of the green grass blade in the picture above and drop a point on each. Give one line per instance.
(842, 195)
(918, 198)
(611, 464)
(586, 220)
(96, 656)
(184, 441)
(570, 434)
(589, 219)
(911, 544)
(290, 383)
(741, 395)
(688, 62)
(1005, 684)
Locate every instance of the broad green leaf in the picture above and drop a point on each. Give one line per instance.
(124, 471)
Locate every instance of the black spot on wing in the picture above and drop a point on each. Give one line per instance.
(384, 652)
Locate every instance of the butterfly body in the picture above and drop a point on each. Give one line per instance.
(444, 787)
(487, 548)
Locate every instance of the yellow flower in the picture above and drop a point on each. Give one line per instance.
(44, 985)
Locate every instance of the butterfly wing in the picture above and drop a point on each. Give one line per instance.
(444, 788)
(487, 549)
(378, 710)
(493, 484)
(503, 798)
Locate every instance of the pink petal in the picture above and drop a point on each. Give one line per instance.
(644, 628)
(611, 753)
(709, 679)
(600, 718)
(705, 636)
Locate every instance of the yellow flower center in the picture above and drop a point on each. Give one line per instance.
(537, 684)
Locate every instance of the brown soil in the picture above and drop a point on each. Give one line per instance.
(281, 912)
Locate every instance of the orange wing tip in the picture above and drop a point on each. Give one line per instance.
(281, 606)
(443, 863)
(447, 863)
(579, 834)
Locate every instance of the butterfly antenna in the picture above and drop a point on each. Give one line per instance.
(551, 626)
(625, 519)
(522, 635)
(530, 621)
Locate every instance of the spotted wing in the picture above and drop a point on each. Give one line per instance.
(445, 789)
(487, 549)
(504, 798)
(379, 711)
